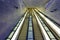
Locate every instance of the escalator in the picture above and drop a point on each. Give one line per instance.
(33, 26)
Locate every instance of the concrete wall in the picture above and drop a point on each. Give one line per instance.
(53, 10)
(10, 12)
(35, 3)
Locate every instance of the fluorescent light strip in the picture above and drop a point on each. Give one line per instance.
(18, 29)
(42, 29)
(52, 25)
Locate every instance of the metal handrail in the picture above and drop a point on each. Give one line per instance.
(45, 36)
(51, 24)
(50, 34)
(14, 34)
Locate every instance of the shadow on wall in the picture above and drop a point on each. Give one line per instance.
(54, 10)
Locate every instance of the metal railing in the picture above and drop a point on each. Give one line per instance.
(45, 36)
(14, 34)
(50, 34)
(54, 27)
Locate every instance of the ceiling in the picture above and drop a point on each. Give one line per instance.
(35, 3)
